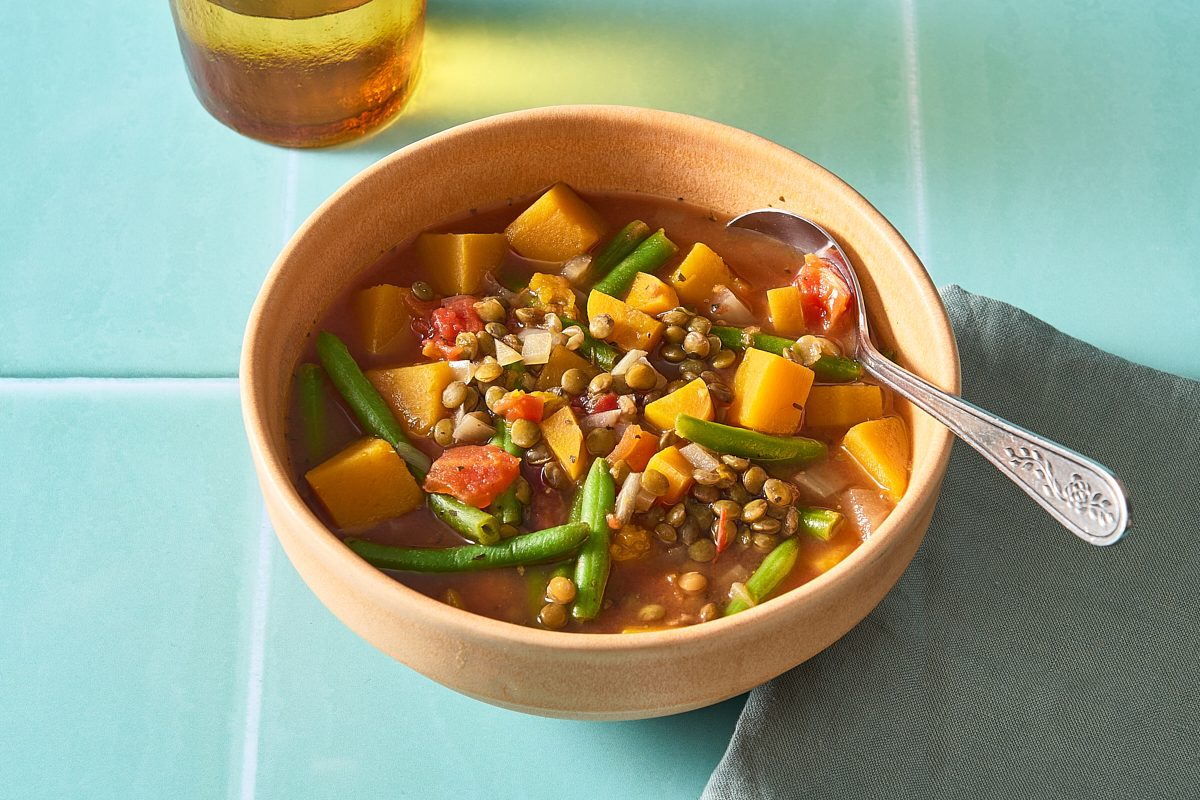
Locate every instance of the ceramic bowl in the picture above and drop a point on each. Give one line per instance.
(592, 148)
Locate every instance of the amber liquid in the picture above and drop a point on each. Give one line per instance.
(301, 73)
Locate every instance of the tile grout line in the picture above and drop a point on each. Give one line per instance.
(256, 671)
(916, 144)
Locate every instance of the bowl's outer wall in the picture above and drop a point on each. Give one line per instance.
(592, 148)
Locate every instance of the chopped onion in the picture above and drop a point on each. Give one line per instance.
(461, 370)
(822, 480)
(627, 497)
(536, 347)
(472, 429)
(644, 500)
(699, 457)
(576, 268)
(604, 419)
(627, 361)
(505, 355)
(727, 307)
(627, 405)
(865, 508)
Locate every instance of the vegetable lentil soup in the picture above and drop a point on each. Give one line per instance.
(595, 412)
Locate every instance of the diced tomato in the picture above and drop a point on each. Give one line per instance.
(824, 296)
(519, 405)
(594, 404)
(474, 474)
(455, 315)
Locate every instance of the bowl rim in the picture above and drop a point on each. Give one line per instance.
(388, 592)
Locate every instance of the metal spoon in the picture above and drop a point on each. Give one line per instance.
(1086, 497)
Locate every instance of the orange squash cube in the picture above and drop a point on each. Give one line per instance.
(557, 227)
(632, 330)
(455, 263)
(880, 446)
(700, 272)
(692, 399)
(787, 313)
(565, 439)
(676, 469)
(562, 359)
(365, 483)
(414, 393)
(383, 319)
(650, 295)
(769, 393)
(842, 405)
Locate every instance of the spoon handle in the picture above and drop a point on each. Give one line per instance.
(1083, 495)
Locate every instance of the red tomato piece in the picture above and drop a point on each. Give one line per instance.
(473, 474)
(595, 404)
(456, 315)
(519, 405)
(824, 296)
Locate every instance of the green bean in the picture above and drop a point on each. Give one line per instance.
(576, 512)
(773, 569)
(624, 243)
(769, 450)
(648, 256)
(366, 402)
(310, 386)
(602, 354)
(830, 369)
(509, 509)
(820, 522)
(377, 418)
(591, 568)
(530, 548)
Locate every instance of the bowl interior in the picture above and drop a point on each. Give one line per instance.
(592, 149)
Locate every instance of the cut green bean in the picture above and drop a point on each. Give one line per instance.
(530, 548)
(648, 256)
(760, 447)
(770, 573)
(591, 568)
(828, 369)
(310, 386)
(366, 402)
(376, 417)
(602, 354)
(820, 522)
(509, 509)
(621, 245)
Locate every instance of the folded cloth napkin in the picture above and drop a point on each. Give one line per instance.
(1013, 660)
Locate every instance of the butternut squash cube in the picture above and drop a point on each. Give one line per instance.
(565, 438)
(650, 295)
(383, 319)
(365, 483)
(787, 312)
(692, 399)
(553, 293)
(632, 330)
(455, 263)
(676, 469)
(557, 227)
(880, 446)
(700, 272)
(562, 359)
(842, 405)
(414, 393)
(769, 393)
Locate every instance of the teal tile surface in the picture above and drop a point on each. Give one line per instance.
(135, 229)
(128, 521)
(1060, 156)
(339, 717)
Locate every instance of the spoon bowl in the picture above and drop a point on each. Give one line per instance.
(1084, 496)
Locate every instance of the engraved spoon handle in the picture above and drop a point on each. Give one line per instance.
(1086, 497)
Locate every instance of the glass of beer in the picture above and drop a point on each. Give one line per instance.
(301, 73)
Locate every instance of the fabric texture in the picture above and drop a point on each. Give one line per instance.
(1013, 660)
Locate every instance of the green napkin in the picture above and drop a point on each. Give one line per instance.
(1013, 660)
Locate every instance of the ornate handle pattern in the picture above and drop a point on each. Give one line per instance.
(1086, 497)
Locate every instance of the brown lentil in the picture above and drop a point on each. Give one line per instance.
(701, 325)
(763, 542)
(490, 309)
(651, 612)
(574, 381)
(754, 510)
(601, 383)
(443, 432)
(706, 494)
(791, 521)
(702, 550)
(454, 394)
(696, 344)
(666, 533)
(689, 532)
(601, 326)
(777, 492)
(493, 396)
(600, 441)
(706, 477)
(655, 483)
(553, 616)
(525, 433)
(723, 359)
(754, 479)
(737, 462)
(721, 393)
(620, 471)
(496, 330)
(488, 371)
(556, 477)
(674, 334)
(677, 514)
(523, 491)
(640, 377)
(708, 612)
(667, 439)
(485, 344)
(676, 316)
(527, 316)
(692, 582)
(538, 454)
(468, 344)
(767, 525)
(422, 291)
(673, 353)
(561, 589)
(694, 366)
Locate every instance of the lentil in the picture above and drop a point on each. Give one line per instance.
(754, 479)
(777, 492)
(641, 377)
(600, 441)
(655, 483)
(490, 309)
(553, 616)
(692, 582)
(443, 432)
(525, 433)
(601, 326)
(702, 550)
(561, 589)
(422, 291)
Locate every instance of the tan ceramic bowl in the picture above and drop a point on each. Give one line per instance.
(587, 676)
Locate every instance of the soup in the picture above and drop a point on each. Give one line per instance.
(598, 413)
